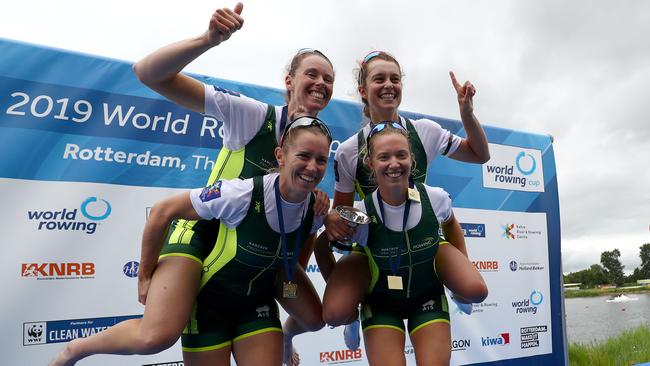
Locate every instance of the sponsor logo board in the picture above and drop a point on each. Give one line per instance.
(58, 271)
(84, 219)
(514, 168)
(57, 331)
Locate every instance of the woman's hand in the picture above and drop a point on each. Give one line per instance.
(465, 94)
(224, 23)
(143, 288)
(337, 228)
(322, 203)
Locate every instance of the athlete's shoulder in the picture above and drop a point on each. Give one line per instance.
(425, 123)
(436, 192)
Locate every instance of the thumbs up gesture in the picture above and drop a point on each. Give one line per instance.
(224, 22)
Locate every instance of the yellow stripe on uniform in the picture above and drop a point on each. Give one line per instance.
(183, 232)
(207, 348)
(259, 331)
(427, 323)
(229, 165)
(224, 251)
(383, 326)
(185, 255)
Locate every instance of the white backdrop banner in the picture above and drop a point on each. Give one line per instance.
(87, 150)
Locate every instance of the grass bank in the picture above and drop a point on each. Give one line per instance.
(629, 348)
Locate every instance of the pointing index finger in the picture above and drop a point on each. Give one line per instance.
(454, 82)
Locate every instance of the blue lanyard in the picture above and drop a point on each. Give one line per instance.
(283, 237)
(394, 262)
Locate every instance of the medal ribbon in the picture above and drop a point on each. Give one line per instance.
(288, 268)
(394, 262)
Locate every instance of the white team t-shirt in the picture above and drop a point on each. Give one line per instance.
(440, 202)
(229, 201)
(434, 139)
(242, 116)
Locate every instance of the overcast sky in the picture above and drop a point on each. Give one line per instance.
(577, 70)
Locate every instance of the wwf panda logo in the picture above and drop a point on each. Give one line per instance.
(35, 331)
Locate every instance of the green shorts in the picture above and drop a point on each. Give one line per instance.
(191, 239)
(217, 324)
(378, 311)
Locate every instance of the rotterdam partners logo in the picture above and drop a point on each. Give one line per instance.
(92, 209)
(514, 168)
(530, 335)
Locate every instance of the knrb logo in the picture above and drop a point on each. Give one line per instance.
(500, 340)
(341, 356)
(84, 219)
(514, 168)
(58, 271)
(486, 266)
(530, 304)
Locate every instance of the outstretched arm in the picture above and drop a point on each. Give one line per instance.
(474, 148)
(160, 70)
(155, 230)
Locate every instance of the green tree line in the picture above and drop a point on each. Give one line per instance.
(610, 270)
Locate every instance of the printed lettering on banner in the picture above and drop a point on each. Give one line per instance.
(57, 331)
(91, 212)
(514, 168)
(340, 356)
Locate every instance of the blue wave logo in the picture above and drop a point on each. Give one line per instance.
(93, 202)
(536, 297)
(518, 160)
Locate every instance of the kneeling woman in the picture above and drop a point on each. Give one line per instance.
(263, 222)
(403, 263)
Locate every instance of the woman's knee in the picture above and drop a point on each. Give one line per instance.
(478, 291)
(155, 341)
(336, 315)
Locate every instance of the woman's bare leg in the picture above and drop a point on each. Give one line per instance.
(172, 293)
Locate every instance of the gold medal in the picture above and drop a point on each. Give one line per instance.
(289, 290)
(395, 282)
(414, 195)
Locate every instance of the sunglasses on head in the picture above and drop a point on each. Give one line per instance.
(382, 126)
(306, 121)
(370, 56)
(303, 51)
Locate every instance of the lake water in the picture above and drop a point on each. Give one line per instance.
(593, 319)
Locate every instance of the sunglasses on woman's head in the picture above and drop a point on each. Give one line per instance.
(303, 51)
(382, 126)
(306, 121)
(370, 56)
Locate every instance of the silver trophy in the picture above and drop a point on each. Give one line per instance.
(354, 217)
